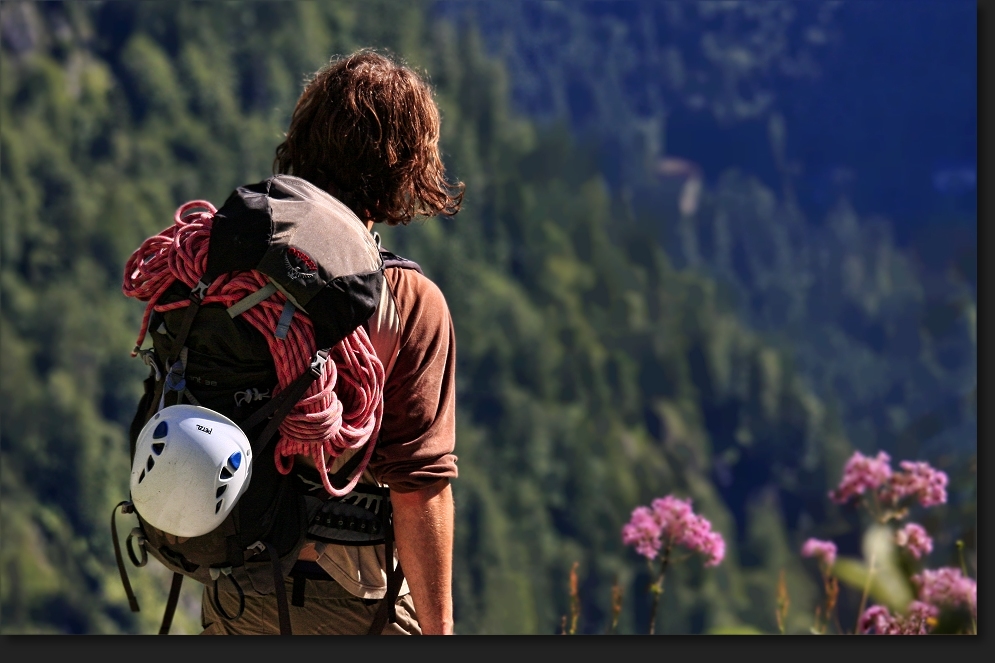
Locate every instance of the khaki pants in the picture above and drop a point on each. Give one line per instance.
(328, 610)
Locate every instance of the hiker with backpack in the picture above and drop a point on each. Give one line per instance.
(294, 447)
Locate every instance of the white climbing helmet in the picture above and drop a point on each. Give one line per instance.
(191, 465)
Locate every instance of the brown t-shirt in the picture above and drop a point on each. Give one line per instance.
(413, 336)
(418, 433)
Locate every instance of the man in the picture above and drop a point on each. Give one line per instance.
(366, 130)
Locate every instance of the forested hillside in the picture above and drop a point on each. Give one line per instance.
(610, 349)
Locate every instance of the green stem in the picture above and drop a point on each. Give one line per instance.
(656, 589)
(867, 589)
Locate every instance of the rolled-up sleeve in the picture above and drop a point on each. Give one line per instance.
(418, 434)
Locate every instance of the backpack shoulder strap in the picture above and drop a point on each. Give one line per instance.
(394, 260)
(385, 323)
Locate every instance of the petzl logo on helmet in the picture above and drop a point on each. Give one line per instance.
(204, 429)
(300, 265)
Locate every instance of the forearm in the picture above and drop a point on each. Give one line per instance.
(423, 531)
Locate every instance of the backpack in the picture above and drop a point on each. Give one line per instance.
(305, 248)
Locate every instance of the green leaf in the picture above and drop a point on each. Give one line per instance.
(742, 629)
(887, 585)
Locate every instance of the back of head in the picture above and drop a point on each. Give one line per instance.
(366, 129)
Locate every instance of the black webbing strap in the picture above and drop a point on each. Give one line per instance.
(174, 598)
(346, 469)
(280, 405)
(217, 599)
(197, 294)
(297, 598)
(301, 573)
(282, 607)
(387, 613)
(127, 508)
(136, 533)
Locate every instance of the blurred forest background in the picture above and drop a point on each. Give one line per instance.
(707, 248)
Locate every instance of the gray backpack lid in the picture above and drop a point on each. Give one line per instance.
(309, 244)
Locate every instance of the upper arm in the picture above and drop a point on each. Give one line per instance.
(418, 432)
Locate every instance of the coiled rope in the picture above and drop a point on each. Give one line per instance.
(341, 410)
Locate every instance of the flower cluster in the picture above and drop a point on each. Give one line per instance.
(878, 620)
(913, 537)
(824, 551)
(888, 495)
(947, 588)
(915, 480)
(643, 531)
(918, 480)
(862, 474)
(667, 522)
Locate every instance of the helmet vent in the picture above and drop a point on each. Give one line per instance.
(157, 447)
(161, 431)
(141, 476)
(218, 507)
(225, 474)
(221, 491)
(149, 463)
(235, 460)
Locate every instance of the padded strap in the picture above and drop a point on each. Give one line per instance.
(197, 294)
(394, 260)
(280, 405)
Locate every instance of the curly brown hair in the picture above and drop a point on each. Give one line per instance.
(366, 129)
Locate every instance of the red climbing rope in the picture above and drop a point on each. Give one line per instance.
(340, 411)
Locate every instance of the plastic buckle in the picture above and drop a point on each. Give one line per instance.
(318, 364)
(199, 291)
(216, 572)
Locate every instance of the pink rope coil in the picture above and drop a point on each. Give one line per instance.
(341, 411)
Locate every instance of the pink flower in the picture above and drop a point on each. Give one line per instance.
(670, 521)
(643, 531)
(714, 548)
(860, 475)
(878, 620)
(947, 588)
(914, 538)
(824, 551)
(673, 514)
(923, 611)
(919, 480)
